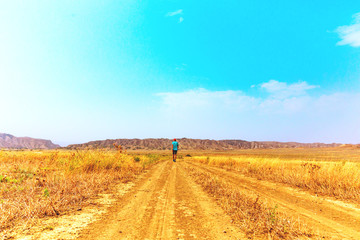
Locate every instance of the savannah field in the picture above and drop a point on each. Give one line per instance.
(301, 193)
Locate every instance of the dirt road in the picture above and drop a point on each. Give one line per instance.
(167, 204)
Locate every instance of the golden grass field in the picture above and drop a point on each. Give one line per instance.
(329, 171)
(37, 184)
(34, 184)
(333, 172)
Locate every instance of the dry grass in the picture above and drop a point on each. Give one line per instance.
(46, 183)
(323, 171)
(255, 217)
(338, 154)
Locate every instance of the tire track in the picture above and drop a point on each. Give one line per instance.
(337, 220)
(122, 221)
(159, 221)
(198, 214)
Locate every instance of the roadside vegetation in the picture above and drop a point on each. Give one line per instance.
(256, 218)
(35, 184)
(331, 172)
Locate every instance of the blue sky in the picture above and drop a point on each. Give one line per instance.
(75, 71)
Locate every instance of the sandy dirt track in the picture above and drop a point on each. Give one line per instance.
(167, 204)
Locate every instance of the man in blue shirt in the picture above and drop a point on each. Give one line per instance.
(175, 146)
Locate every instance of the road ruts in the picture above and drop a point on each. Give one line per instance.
(165, 204)
(340, 221)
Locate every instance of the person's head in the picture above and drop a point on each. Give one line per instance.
(174, 139)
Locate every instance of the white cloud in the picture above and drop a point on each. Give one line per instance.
(202, 98)
(177, 12)
(350, 34)
(288, 113)
(283, 98)
(283, 90)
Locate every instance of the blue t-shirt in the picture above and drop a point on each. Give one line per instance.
(175, 145)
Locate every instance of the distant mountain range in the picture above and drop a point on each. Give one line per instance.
(194, 144)
(12, 142)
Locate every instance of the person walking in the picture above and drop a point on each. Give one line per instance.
(175, 147)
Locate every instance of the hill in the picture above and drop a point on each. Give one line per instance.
(12, 142)
(193, 144)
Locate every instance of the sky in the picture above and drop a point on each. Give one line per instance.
(76, 71)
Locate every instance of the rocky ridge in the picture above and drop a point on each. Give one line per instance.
(194, 144)
(11, 142)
